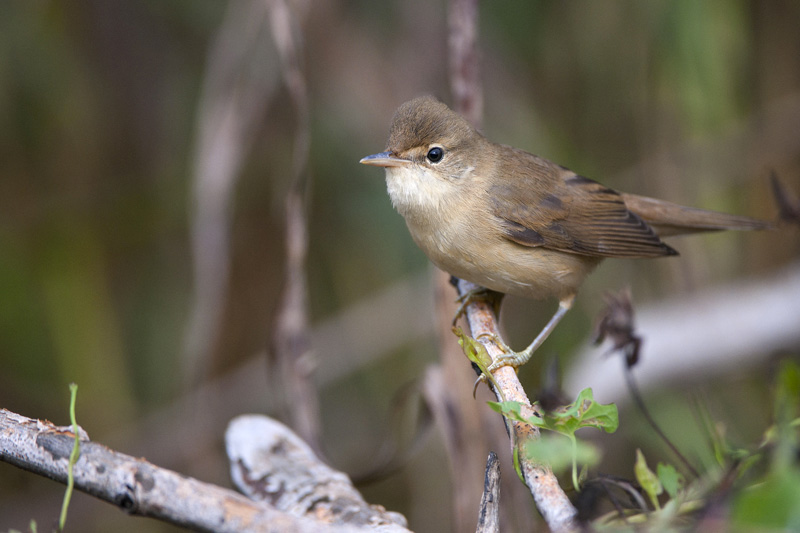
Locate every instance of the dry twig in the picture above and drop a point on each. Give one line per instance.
(489, 516)
(550, 499)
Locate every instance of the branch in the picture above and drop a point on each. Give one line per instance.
(271, 463)
(489, 516)
(141, 488)
(550, 499)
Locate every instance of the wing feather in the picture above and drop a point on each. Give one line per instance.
(561, 210)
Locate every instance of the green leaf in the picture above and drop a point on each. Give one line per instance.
(672, 480)
(583, 412)
(787, 407)
(513, 411)
(647, 479)
(770, 505)
(477, 353)
(773, 502)
(559, 454)
(787, 397)
(474, 350)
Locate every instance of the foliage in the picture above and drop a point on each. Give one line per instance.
(566, 420)
(477, 354)
(756, 490)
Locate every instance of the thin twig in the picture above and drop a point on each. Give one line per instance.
(489, 515)
(550, 499)
(639, 401)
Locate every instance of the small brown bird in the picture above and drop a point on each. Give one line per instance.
(514, 222)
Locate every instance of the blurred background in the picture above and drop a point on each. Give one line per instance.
(148, 147)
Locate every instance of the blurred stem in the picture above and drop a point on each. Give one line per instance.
(465, 83)
(639, 401)
(238, 83)
(291, 342)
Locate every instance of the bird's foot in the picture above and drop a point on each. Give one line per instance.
(509, 357)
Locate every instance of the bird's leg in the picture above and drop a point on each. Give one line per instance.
(517, 359)
(481, 293)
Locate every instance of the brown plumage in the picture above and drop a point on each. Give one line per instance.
(512, 221)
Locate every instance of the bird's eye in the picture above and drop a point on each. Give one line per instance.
(435, 154)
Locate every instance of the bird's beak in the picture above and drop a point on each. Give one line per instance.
(384, 159)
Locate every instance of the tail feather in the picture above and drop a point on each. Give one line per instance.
(673, 219)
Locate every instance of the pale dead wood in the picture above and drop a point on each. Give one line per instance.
(141, 488)
(550, 499)
(271, 463)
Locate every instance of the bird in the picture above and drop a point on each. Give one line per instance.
(516, 223)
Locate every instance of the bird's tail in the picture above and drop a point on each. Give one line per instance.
(673, 219)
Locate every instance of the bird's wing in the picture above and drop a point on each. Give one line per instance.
(560, 210)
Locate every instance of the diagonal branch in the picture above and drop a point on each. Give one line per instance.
(143, 489)
(550, 499)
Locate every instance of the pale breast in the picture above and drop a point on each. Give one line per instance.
(448, 223)
(478, 254)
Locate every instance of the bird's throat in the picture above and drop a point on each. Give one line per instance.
(417, 191)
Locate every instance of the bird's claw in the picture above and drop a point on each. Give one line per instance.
(508, 358)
